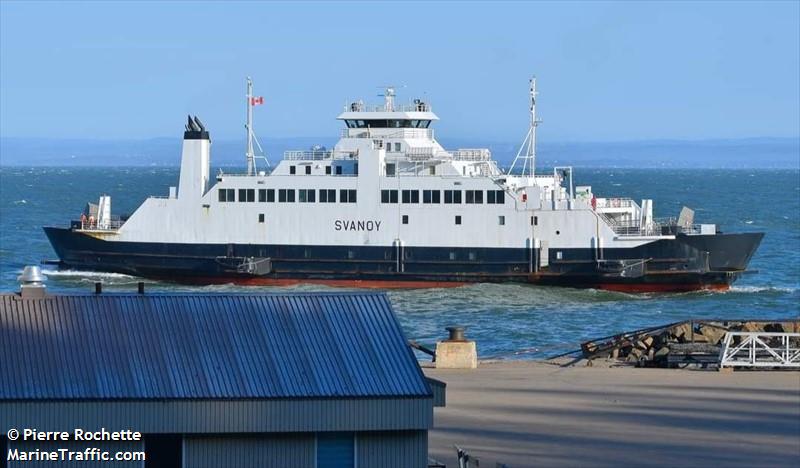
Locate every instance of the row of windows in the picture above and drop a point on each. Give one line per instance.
(501, 220)
(328, 170)
(287, 195)
(450, 196)
(382, 123)
(349, 196)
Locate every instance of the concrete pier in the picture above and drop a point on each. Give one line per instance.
(528, 414)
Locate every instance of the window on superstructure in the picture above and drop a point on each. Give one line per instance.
(286, 195)
(227, 195)
(261, 217)
(501, 220)
(410, 196)
(474, 197)
(308, 170)
(247, 195)
(495, 197)
(452, 196)
(292, 170)
(327, 170)
(431, 196)
(397, 147)
(405, 219)
(390, 170)
(262, 195)
(338, 170)
(347, 196)
(388, 196)
(307, 195)
(458, 220)
(327, 196)
(270, 195)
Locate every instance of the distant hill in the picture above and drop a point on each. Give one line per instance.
(739, 153)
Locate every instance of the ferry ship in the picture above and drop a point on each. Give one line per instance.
(388, 207)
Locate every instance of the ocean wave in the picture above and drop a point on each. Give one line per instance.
(84, 274)
(760, 289)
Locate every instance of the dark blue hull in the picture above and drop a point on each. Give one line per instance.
(684, 263)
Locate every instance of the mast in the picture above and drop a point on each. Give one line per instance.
(251, 157)
(526, 156)
(534, 124)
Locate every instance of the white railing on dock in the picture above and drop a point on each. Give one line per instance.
(760, 349)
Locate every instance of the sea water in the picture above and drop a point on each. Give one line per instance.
(508, 321)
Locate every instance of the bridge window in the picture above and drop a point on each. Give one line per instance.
(431, 196)
(327, 196)
(227, 195)
(410, 196)
(474, 197)
(495, 197)
(262, 195)
(452, 196)
(308, 170)
(292, 170)
(247, 195)
(347, 196)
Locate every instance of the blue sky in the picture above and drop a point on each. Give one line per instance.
(606, 71)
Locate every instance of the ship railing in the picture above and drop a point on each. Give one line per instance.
(614, 203)
(413, 107)
(659, 227)
(91, 224)
(468, 154)
(471, 154)
(423, 133)
(318, 155)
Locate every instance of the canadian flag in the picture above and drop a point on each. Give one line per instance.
(257, 100)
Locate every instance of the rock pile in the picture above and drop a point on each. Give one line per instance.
(687, 342)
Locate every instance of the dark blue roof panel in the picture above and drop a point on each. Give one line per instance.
(204, 346)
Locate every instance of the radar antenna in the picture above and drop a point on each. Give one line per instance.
(526, 156)
(389, 93)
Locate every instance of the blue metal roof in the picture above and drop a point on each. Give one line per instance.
(204, 346)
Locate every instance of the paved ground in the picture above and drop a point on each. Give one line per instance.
(529, 414)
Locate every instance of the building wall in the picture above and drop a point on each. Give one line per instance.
(392, 449)
(385, 449)
(272, 451)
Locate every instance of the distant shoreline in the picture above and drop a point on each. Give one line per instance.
(745, 153)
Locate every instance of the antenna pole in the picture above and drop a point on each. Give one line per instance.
(251, 158)
(526, 156)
